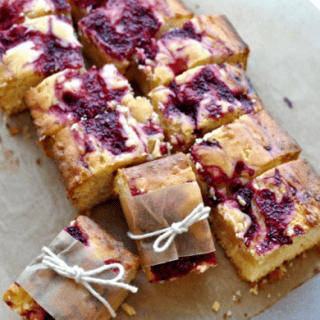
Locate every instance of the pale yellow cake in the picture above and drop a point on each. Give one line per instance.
(30, 52)
(272, 219)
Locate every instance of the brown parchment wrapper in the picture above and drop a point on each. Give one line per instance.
(157, 210)
(62, 297)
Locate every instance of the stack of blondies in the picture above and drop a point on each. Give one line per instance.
(197, 134)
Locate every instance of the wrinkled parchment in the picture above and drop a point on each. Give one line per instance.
(157, 210)
(62, 297)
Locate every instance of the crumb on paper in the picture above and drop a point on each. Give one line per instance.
(216, 306)
(227, 314)
(288, 102)
(303, 255)
(316, 270)
(234, 298)
(14, 131)
(254, 289)
(269, 295)
(128, 309)
(84, 212)
(238, 293)
(10, 163)
(277, 274)
(262, 283)
(239, 300)
(245, 314)
(38, 161)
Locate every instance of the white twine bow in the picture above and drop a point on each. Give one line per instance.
(84, 277)
(199, 213)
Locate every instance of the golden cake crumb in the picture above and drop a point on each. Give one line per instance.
(128, 309)
(216, 306)
(254, 289)
(14, 131)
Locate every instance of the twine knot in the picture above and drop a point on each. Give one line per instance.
(199, 213)
(79, 275)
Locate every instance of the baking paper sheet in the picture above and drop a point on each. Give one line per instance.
(158, 210)
(284, 38)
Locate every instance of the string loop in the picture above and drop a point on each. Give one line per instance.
(199, 213)
(83, 277)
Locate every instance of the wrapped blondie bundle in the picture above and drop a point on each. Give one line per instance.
(271, 219)
(162, 199)
(83, 274)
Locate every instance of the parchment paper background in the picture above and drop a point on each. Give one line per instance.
(284, 37)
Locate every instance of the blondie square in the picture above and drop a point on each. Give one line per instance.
(91, 124)
(230, 156)
(113, 32)
(203, 40)
(32, 51)
(201, 100)
(270, 220)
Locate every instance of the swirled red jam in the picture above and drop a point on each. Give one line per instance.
(207, 84)
(269, 206)
(200, 100)
(118, 30)
(14, 11)
(171, 49)
(183, 266)
(84, 96)
(52, 53)
(77, 234)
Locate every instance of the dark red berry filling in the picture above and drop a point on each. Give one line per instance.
(109, 131)
(135, 26)
(11, 13)
(78, 234)
(186, 98)
(181, 267)
(90, 100)
(214, 175)
(92, 4)
(56, 56)
(277, 214)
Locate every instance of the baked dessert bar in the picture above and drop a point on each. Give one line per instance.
(270, 220)
(104, 248)
(73, 95)
(201, 100)
(230, 156)
(15, 11)
(91, 124)
(32, 51)
(203, 40)
(153, 196)
(113, 32)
